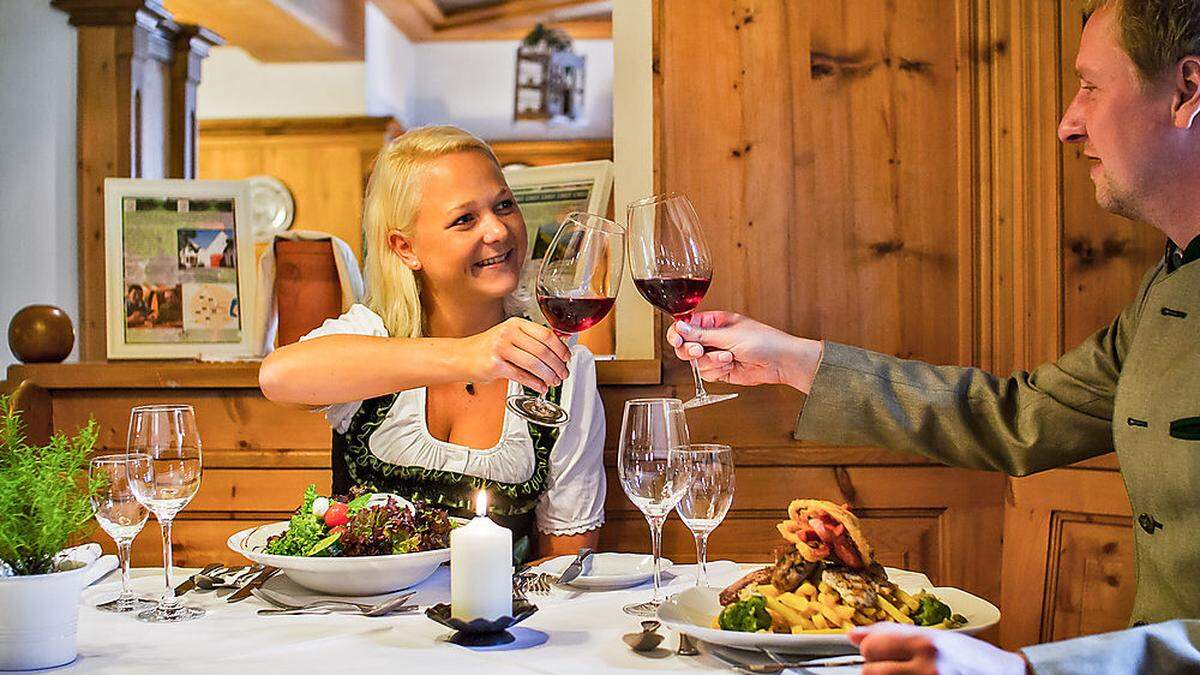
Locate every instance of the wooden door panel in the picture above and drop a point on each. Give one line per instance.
(1091, 584)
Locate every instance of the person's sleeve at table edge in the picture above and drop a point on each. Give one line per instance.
(1169, 647)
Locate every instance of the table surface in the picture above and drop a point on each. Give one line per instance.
(571, 632)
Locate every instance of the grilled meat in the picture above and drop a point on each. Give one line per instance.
(756, 578)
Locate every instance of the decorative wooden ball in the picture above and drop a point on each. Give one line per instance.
(41, 334)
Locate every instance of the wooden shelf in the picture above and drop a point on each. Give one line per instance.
(138, 375)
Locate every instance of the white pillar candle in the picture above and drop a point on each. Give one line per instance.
(480, 567)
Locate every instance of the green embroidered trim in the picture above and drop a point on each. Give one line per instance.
(451, 490)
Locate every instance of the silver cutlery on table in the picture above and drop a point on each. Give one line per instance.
(778, 666)
(259, 579)
(232, 577)
(285, 604)
(686, 646)
(572, 572)
(530, 582)
(190, 583)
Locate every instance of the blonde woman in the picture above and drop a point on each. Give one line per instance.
(414, 380)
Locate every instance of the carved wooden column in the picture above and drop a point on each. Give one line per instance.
(191, 47)
(129, 124)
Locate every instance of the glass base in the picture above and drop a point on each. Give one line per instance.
(539, 411)
(126, 605)
(708, 399)
(171, 614)
(643, 609)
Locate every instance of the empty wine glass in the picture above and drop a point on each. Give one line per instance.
(652, 430)
(708, 469)
(165, 484)
(576, 287)
(120, 515)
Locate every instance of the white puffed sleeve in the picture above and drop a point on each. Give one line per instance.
(358, 320)
(574, 500)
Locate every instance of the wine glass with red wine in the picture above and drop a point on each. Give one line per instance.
(576, 288)
(671, 265)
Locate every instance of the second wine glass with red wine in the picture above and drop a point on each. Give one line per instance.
(576, 288)
(671, 265)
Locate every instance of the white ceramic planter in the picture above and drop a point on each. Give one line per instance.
(38, 618)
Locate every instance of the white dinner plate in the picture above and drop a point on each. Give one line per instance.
(364, 575)
(608, 571)
(692, 611)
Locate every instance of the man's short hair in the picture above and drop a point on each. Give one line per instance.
(1155, 33)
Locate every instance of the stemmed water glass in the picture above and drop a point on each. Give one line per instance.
(122, 516)
(167, 436)
(708, 470)
(576, 288)
(652, 431)
(671, 265)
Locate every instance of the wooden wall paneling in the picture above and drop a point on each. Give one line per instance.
(1068, 556)
(323, 161)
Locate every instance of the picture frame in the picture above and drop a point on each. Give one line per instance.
(546, 195)
(179, 269)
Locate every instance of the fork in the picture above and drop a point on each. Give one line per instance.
(283, 606)
(780, 666)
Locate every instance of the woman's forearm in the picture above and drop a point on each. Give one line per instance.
(339, 368)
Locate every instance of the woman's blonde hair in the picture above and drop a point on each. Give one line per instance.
(393, 199)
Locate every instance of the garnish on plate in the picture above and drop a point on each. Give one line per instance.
(363, 523)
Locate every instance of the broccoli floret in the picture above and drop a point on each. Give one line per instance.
(747, 616)
(931, 611)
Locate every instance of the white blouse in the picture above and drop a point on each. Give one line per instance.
(574, 499)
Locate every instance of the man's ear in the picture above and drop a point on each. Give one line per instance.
(1187, 96)
(402, 246)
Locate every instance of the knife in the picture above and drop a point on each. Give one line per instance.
(191, 581)
(244, 592)
(575, 568)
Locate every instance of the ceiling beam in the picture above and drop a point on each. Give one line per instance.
(282, 30)
(423, 20)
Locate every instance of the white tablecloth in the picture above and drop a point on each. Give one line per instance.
(571, 632)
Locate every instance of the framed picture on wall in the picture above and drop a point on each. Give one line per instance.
(179, 269)
(546, 195)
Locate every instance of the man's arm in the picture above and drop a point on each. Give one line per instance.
(1058, 414)
(1170, 647)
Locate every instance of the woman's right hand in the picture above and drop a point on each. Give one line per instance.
(519, 350)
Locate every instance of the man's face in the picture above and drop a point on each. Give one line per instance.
(1124, 124)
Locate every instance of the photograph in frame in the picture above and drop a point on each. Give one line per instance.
(546, 195)
(179, 261)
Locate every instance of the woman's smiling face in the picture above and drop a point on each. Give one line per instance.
(469, 241)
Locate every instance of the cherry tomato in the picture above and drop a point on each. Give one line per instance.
(336, 514)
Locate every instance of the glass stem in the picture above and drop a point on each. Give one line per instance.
(656, 526)
(700, 391)
(702, 559)
(168, 596)
(123, 546)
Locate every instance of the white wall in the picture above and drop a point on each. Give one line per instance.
(235, 84)
(38, 252)
(391, 67)
(470, 84)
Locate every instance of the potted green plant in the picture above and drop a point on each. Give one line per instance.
(45, 501)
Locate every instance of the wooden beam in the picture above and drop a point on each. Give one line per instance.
(423, 20)
(282, 30)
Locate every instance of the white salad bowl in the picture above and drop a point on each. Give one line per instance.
(364, 575)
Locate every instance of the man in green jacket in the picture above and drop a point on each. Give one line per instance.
(1134, 386)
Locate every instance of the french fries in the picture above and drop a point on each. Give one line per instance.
(820, 609)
